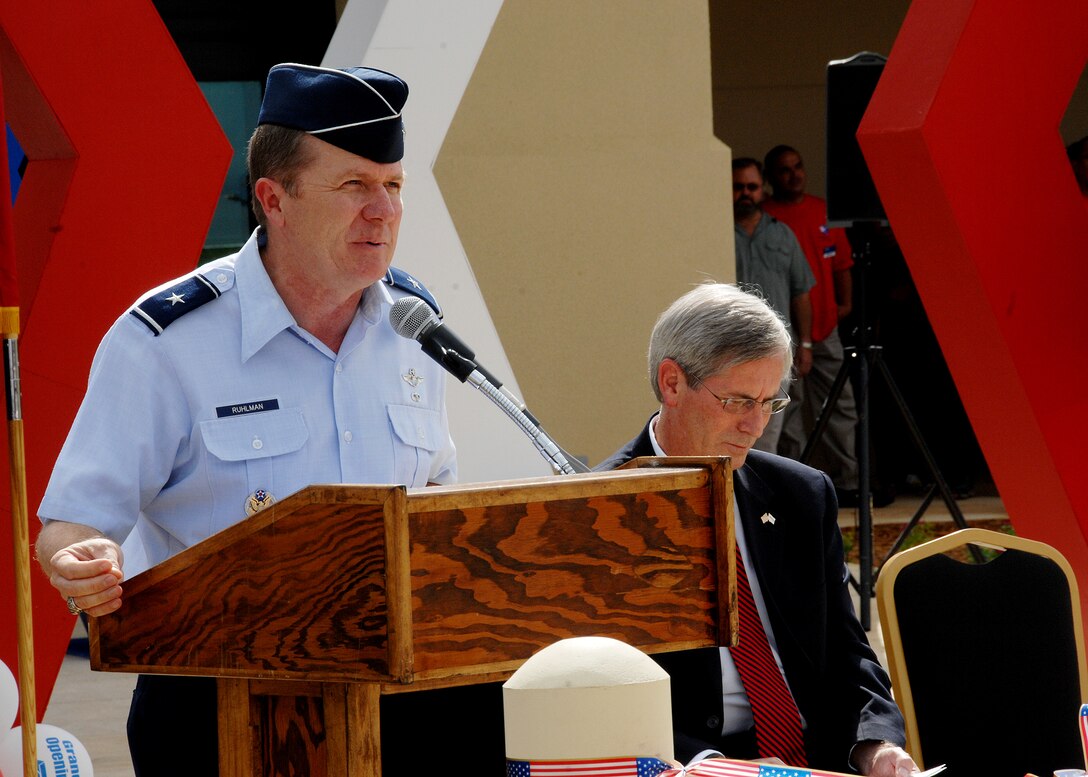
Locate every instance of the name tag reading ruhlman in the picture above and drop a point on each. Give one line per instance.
(226, 411)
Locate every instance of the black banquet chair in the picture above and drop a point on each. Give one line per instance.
(987, 659)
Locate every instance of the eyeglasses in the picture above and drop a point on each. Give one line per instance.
(742, 405)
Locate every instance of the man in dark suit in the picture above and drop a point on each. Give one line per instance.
(718, 356)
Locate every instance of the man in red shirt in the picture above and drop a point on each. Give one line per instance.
(829, 255)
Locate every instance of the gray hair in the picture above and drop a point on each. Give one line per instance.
(714, 327)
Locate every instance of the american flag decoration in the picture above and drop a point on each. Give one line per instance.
(1084, 732)
(728, 767)
(610, 767)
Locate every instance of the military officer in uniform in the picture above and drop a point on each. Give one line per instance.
(253, 377)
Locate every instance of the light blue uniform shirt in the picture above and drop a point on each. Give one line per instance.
(176, 431)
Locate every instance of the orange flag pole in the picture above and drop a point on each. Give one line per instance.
(9, 331)
(9, 328)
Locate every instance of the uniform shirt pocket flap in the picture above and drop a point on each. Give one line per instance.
(417, 426)
(256, 435)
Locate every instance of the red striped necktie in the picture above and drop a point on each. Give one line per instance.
(778, 723)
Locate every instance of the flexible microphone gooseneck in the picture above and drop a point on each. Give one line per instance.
(413, 318)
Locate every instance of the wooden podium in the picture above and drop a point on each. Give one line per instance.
(310, 610)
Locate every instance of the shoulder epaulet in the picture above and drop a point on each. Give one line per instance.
(401, 280)
(165, 307)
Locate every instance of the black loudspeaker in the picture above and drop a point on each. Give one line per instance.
(851, 195)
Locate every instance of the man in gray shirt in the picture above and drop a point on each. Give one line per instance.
(770, 262)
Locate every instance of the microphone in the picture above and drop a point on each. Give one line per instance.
(414, 319)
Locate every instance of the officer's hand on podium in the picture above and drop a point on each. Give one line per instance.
(83, 566)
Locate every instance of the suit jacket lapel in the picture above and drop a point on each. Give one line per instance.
(763, 540)
(766, 550)
(642, 445)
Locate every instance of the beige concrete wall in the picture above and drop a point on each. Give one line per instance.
(589, 191)
(586, 171)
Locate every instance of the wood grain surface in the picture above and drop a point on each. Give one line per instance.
(310, 610)
(381, 584)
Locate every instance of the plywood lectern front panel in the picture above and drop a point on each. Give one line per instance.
(296, 592)
(438, 585)
(490, 584)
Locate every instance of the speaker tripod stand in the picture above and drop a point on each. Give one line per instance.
(862, 359)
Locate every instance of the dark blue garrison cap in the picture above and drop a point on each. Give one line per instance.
(357, 109)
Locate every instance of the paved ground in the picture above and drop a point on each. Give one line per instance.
(93, 706)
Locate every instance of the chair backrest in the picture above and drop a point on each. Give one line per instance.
(987, 660)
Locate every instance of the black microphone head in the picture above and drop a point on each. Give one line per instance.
(411, 317)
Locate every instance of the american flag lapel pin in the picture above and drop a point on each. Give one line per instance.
(767, 518)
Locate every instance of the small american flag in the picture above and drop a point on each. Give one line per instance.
(727, 767)
(1084, 732)
(614, 767)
